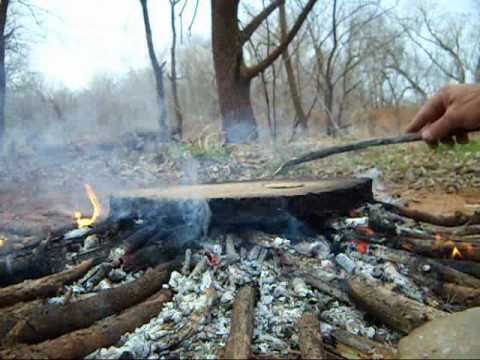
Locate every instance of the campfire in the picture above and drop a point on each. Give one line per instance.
(297, 269)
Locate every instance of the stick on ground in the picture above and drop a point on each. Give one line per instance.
(43, 287)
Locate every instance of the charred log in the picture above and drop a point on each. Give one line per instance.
(41, 288)
(393, 309)
(82, 342)
(241, 328)
(310, 338)
(348, 346)
(51, 321)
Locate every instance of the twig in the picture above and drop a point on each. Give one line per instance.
(322, 153)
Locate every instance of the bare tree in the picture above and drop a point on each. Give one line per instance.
(178, 130)
(3, 77)
(441, 42)
(300, 125)
(233, 76)
(158, 70)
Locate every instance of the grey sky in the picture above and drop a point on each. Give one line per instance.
(84, 38)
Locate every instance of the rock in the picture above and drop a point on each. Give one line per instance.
(452, 337)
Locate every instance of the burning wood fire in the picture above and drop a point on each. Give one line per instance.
(241, 292)
(456, 253)
(83, 222)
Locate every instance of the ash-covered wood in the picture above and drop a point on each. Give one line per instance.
(350, 346)
(393, 309)
(262, 204)
(104, 333)
(242, 325)
(310, 338)
(42, 288)
(430, 267)
(54, 320)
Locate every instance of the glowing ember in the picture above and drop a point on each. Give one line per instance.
(455, 253)
(83, 222)
(362, 247)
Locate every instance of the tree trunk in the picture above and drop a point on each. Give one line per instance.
(239, 125)
(331, 128)
(300, 125)
(158, 73)
(3, 78)
(178, 131)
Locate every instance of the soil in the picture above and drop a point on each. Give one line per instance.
(441, 203)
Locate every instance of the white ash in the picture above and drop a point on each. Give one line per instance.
(405, 285)
(318, 248)
(77, 233)
(350, 319)
(91, 242)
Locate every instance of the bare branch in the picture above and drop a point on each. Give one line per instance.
(248, 31)
(253, 71)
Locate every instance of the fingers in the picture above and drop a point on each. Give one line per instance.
(437, 130)
(430, 112)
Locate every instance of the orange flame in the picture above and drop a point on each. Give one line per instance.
(83, 222)
(455, 253)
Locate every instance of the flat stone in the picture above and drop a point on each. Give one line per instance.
(455, 336)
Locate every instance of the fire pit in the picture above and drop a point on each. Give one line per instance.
(303, 269)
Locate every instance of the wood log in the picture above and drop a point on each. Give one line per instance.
(349, 346)
(262, 205)
(442, 248)
(43, 287)
(9, 316)
(324, 287)
(241, 327)
(456, 219)
(104, 333)
(54, 320)
(393, 309)
(419, 264)
(465, 266)
(465, 296)
(359, 145)
(310, 337)
(192, 326)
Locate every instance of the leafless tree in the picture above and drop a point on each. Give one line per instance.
(233, 76)
(178, 129)
(3, 78)
(300, 124)
(158, 70)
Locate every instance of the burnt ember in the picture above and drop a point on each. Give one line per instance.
(350, 286)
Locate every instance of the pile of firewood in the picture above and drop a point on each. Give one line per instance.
(129, 288)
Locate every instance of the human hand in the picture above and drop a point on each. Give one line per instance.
(452, 111)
